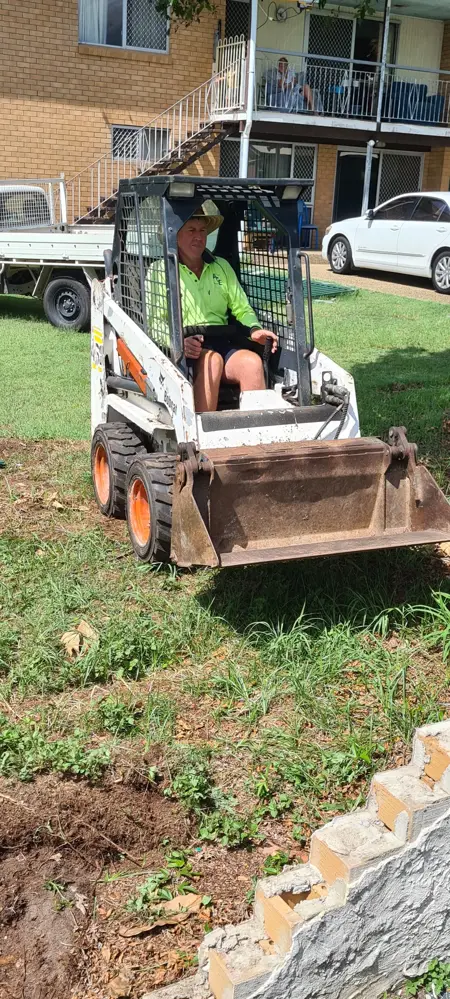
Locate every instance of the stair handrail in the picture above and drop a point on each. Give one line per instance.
(170, 130)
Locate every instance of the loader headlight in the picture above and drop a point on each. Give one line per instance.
(179, 190)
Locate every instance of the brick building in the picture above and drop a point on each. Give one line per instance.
(84, 85)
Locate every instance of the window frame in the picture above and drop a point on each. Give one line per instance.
(396, 201)
(124, 47)
(428, 197)
(136, 130)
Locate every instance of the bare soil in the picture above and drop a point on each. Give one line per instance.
(61, 918)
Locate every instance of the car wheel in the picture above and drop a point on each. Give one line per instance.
(340, 255)
(440, 272)
(67, 304)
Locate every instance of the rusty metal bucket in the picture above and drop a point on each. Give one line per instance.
(274, 502)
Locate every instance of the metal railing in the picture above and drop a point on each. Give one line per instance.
(310, 84)
(164, 139)
(416, 96)
(316, 85)
(32, 203)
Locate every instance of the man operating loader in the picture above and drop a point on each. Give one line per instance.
(209, 291)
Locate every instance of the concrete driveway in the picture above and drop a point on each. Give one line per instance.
(389, 284)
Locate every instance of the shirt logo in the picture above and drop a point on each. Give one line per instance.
(217, 280)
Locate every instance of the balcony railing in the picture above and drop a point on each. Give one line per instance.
(416, 96)
(314, 85)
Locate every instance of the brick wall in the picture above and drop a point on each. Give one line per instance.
(326, 172)
(436, 175)
(445, 56)
(58, 99)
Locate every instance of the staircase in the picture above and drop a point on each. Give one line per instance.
(168, 144)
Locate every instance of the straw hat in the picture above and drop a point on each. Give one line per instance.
(208, 212)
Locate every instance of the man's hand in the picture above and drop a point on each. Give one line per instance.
(193, 346)
(260, 336)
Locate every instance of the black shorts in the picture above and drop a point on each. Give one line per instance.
(221, 345)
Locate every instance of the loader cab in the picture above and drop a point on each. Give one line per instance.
(258, 237)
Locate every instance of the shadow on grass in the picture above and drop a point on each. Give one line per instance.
(21, 307)
(351, 590)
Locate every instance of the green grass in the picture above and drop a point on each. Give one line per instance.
(45, 384)
(263, 694)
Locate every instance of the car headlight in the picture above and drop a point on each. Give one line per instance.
(328, 229)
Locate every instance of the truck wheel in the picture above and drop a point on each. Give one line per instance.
(340, 255)
(149, 506)
(67, 303)
(114, 446)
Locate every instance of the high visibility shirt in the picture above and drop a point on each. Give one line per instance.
(204, 301)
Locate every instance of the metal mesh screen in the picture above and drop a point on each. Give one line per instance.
(237, 18)
(27, 207)
(399, 175)
(330, 36)
(146, 28)
(304, 166)
(229, 158)
(264, 271)
(142, 281)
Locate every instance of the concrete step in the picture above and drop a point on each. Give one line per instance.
(405, 803)
(350, 844)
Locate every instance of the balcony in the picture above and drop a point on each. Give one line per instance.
(323, 91)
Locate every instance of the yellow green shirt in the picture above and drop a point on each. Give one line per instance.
(204, 300)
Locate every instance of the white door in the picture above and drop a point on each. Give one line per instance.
(426, 232)
(376, 240)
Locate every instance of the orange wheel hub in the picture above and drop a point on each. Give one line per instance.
(139, 512)
(102, 476)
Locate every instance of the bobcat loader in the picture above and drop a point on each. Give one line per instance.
(276, 474)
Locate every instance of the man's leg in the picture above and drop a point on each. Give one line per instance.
(245, 369)
(208, 372)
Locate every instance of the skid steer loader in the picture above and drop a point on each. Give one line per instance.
(276, 474)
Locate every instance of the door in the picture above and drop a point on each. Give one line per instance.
(376, 239)
(350, 185)
(428, 230)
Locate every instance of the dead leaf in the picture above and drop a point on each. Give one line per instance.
(72, 642)
(87, 631)
(106, 953)
(79, 900)
(57, 505)
(445, 549)
(120, 986)
(7, 959)
(170, 914)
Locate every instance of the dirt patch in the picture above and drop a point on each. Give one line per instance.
(56, 839)
(67, 872)
(45, 489)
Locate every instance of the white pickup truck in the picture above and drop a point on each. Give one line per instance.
(47, 258)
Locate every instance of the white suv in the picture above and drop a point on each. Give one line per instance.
(407, 235)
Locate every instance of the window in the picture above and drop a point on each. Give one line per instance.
(129, 142)
(134, 24)
(398, 211)
(274, 159)
(432, 210)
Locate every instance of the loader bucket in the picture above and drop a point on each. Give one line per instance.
(289, 501)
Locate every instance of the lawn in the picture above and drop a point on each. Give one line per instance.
(201, 723)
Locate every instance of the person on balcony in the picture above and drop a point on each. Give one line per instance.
(286, 89)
